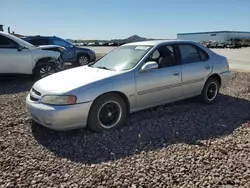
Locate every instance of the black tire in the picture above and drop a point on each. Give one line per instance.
(83, 60)
(210, 97)
(43, 66)
(96, 124)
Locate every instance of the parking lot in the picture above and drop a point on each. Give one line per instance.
(239, 59)
(186, 143)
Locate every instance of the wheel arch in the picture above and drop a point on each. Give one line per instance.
(82, 53)
(121, 94)
(216, 76)
(42, 61)
(93, 125)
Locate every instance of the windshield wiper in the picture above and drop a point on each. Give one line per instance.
(90, 64)
(106, 68)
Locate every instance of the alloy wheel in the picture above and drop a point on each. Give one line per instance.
(109, 114)
(83, 60)
(46, 71)
(212, 91)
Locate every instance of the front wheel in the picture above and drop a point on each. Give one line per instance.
(108, 112)
(43, 70)
(210, 91)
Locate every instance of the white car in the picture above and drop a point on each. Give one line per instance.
(18, 57)
(133, 77)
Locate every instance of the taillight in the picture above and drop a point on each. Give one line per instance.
(227, 64)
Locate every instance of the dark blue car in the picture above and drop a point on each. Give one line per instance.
(76, 55)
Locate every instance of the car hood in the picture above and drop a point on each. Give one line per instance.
(43, 47)
(68, 80)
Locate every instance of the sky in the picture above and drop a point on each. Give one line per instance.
(119, 19)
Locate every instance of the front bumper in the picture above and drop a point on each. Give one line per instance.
(225, 77)
(59, 64)
(58, 117)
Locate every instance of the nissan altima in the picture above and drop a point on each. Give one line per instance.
(130, 78)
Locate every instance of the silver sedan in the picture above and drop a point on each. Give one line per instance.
(130, 78)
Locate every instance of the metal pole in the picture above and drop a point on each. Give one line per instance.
(1, 27)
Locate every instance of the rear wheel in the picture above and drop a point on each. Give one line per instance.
(107, 113)
(210, 91)
(44, 69)
(83, 60)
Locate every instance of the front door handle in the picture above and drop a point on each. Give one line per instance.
(176, 73)
(207, 67)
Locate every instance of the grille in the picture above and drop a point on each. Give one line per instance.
(35, 95)
(36, 92)
(33, 98)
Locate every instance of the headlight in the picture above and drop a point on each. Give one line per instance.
(59, 99)
(62, 49)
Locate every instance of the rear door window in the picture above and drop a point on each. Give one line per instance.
(60, 42)
(35, 42)
(45, 41)
(189, 54)
(38, 42)
(203, 55)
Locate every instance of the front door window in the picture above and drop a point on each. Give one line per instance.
(164, 56)
(7, 43)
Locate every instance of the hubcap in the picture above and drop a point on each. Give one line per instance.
(46, 71)
(83, 60)
(212, 91)
(109, 114)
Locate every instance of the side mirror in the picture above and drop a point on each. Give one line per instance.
(148, 66)
(20, 48)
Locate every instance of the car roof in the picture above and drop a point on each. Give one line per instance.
(157, 42)
(38, 36)
(5, 34)
(17, 39)
(13, 37)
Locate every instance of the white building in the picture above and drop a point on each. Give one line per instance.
(214, 36)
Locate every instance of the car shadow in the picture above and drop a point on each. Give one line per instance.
(15, 84)
(187, 121)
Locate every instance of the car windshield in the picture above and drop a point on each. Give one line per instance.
(122, 58)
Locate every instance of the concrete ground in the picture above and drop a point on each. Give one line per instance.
(239, 59)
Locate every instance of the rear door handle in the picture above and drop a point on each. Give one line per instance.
(207, 67)
(176, 73)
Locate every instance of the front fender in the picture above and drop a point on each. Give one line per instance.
(57, 64)
(126, 86)
(38, 54)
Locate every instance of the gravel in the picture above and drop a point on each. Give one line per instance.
(184, 144)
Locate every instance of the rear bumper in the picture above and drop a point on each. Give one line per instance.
(92, 57)
(225, 77)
